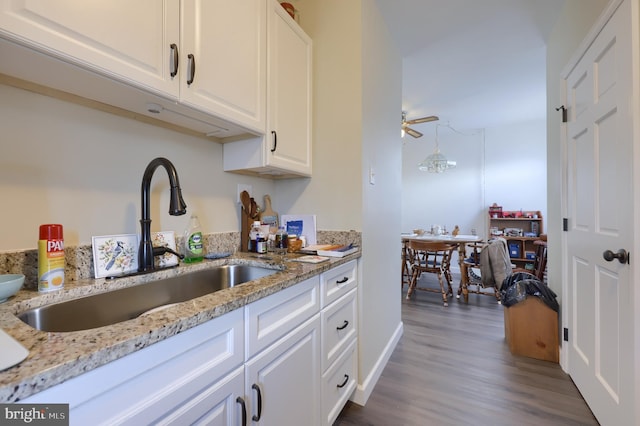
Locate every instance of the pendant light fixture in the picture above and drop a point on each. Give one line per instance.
(436, 162)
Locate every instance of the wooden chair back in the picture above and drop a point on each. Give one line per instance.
(430, 256)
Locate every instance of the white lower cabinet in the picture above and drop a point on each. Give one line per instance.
(338, 328)
(286, 359)
(217, 405)
(156, 383)
(283, 381)
(339, 316)
(338, 383)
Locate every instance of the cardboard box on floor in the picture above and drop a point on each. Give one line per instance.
(531, 330)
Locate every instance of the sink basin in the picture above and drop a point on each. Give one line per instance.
(131, 302)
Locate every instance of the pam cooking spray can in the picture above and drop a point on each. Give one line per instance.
(50, 258)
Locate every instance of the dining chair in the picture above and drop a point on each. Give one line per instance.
(540, 260)
(486, 267)
(430, 257)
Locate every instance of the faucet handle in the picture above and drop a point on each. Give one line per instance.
(159, 251)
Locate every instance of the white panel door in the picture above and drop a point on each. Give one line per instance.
(600, 217)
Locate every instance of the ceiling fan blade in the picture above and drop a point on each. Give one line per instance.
(424, 119)
(410, 131)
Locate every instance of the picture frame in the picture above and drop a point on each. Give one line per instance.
(165, 239)
(114, 254)
(301, 225)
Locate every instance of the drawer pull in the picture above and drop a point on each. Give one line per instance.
(256, 417)
(343, 326)
(240, 401)
(346, 380)
(342, 281)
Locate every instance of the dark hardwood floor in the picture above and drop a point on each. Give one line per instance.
(452, 366)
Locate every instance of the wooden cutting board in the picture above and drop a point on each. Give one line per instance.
(268, 216)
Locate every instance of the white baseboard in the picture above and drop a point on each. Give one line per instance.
(364, 389)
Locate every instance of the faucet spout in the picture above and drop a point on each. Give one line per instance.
(177, 207)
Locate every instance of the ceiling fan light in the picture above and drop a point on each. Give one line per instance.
(436, 163)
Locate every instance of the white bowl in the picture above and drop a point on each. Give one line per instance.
(9, 285)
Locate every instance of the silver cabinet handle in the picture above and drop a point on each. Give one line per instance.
(191, 68)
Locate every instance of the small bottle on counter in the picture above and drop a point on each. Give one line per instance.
(281, 241)
(261, 243)
(253, 237)
(193, 242)
(51, 261)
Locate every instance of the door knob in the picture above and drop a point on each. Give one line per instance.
(621, 255)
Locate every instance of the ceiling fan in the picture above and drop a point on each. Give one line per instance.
(406, 123)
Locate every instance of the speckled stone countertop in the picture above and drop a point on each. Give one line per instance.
(58, 356)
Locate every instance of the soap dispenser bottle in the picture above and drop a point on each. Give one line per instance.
(193, 241)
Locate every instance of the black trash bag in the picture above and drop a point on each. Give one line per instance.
(519, 286)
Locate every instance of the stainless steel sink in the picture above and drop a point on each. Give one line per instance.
(131, 302)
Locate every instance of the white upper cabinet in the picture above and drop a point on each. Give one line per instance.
(227, 42)
(122, 39)
(285, 150)
(289, 91)
(198, 64)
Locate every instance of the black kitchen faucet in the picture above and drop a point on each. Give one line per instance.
(177, 207)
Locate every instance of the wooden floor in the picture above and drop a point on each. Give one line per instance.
(452, 366)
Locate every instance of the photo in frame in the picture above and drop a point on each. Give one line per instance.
(114, 254)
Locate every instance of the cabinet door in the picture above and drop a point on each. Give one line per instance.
(217, 405)
(228, 46)
(287, 375)
(126, 40)
(289, 94)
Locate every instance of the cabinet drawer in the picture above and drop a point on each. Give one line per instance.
(339, 327)
(338, 383)
(270, 318)
(338, 281)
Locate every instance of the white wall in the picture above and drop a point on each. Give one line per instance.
(516, 166)
(447, 199)
(381, 101)
(334, 191)
(504, 165)
(65, 163)
(357, 99)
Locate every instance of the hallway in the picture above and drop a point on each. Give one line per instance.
(452, 366)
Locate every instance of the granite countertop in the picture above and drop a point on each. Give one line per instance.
(58, 356)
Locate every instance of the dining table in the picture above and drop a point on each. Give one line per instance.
(460, 240)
